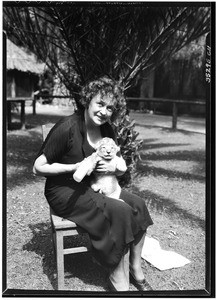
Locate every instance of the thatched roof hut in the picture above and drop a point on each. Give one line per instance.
(21, 60)
(23, 71)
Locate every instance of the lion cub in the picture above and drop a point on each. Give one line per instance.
(107, 184)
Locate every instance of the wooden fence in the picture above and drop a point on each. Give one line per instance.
(44, 96)
(173, 102)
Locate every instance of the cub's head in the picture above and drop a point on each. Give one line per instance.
(106, 148)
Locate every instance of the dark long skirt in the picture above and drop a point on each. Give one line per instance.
(110, 223)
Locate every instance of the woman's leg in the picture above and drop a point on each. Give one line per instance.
(135, 256)
(119, 276)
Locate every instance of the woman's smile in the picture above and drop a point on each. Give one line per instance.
(102, 118)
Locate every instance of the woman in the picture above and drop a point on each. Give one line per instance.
(116, 228)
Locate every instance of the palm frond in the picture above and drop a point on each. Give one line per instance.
(117, 40)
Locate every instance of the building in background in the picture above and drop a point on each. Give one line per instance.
(23, 71)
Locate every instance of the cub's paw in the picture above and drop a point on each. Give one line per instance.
(95, 187)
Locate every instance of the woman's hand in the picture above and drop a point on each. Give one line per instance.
(76, 166)
(106, 166)
(115, 166)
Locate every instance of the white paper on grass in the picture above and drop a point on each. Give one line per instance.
(159, 258)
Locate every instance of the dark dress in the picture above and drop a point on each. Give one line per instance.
(111, 224)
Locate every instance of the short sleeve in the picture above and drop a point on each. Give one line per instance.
(57, 142)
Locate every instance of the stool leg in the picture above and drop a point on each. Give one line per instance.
(60, 260)
(53, 238)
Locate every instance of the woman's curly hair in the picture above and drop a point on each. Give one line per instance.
(105, 87)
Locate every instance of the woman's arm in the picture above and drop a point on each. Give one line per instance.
(43, 168)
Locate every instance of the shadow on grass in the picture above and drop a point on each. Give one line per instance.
(198, 156)
(168, 129)
(145, 170)
(21, 151)
(21, 147)
(188, 155)
(41, 244)
(78, 265)
(147, 146)
(167, 206)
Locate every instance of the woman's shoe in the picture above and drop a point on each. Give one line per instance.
(141, 285)
(112, 288)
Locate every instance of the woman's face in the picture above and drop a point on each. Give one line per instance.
(100, 109)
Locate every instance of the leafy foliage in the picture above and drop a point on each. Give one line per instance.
(130, 146)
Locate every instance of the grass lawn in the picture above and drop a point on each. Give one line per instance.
(171, 179)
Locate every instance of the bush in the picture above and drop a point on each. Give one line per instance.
(130, 145)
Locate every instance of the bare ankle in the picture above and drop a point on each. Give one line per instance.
(136, 271)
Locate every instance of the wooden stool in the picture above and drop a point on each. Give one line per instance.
(62, 228)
